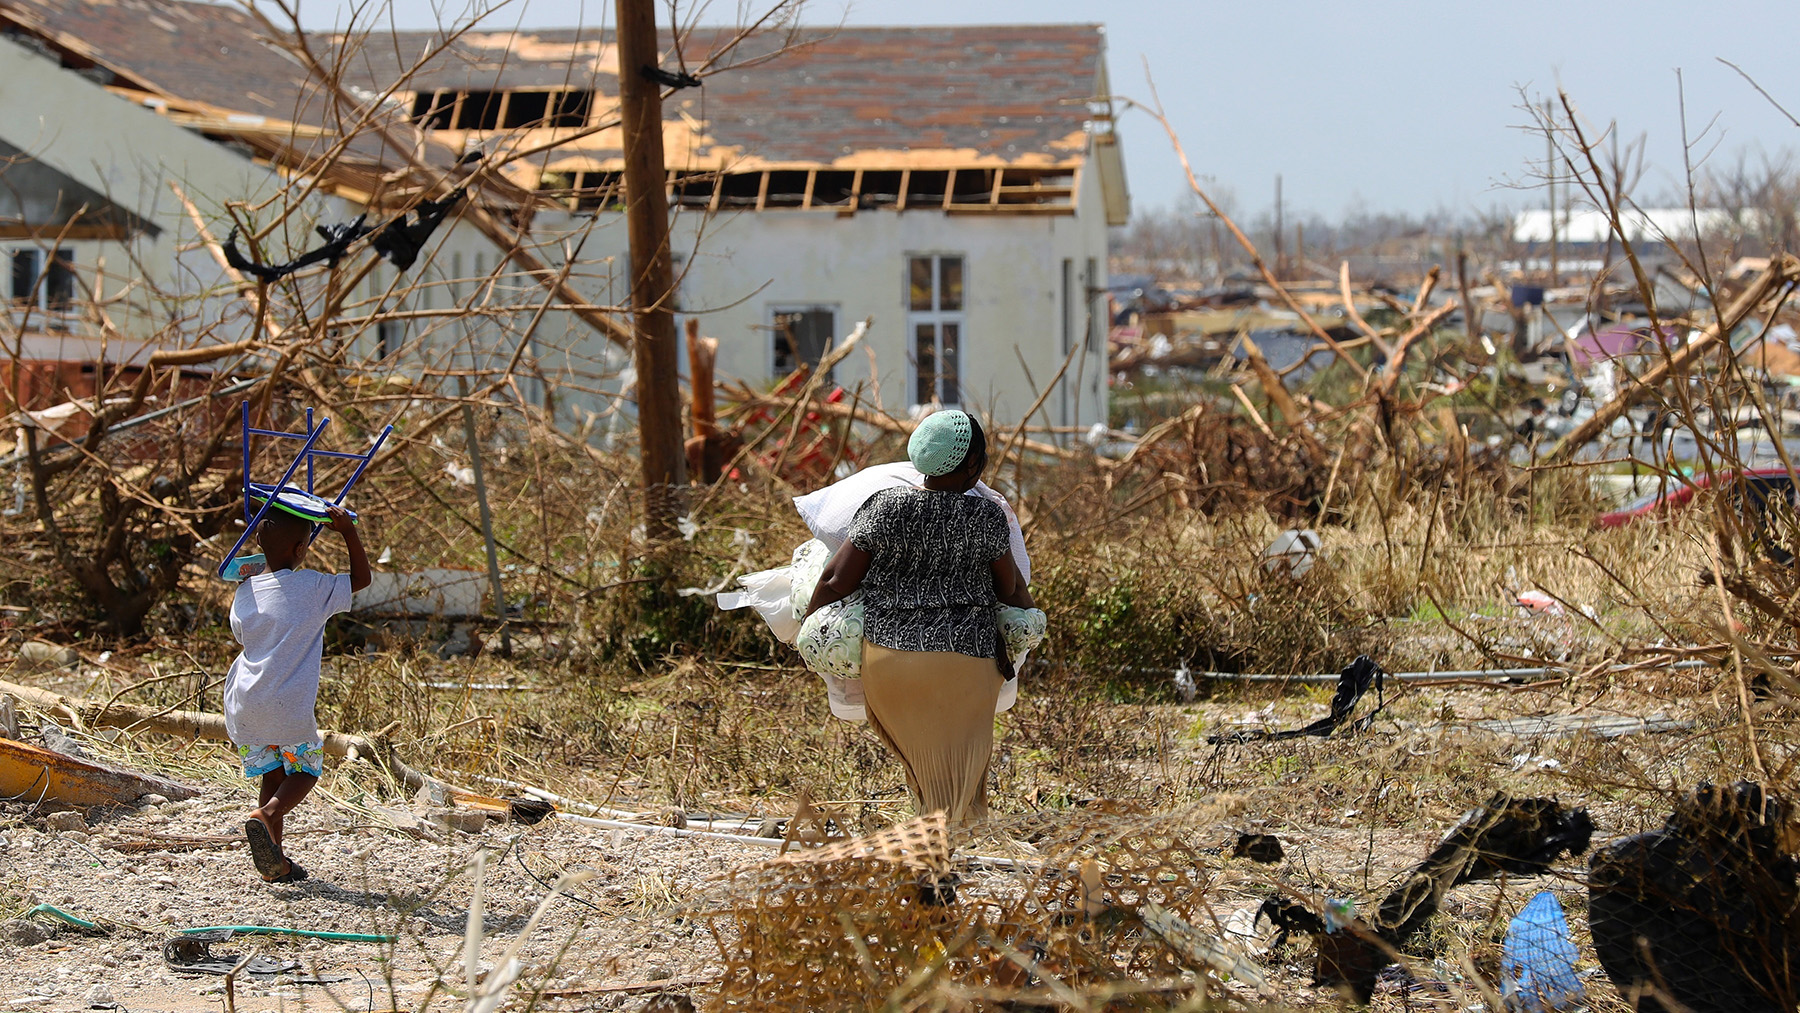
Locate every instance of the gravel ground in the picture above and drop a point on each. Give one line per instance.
(364, 879)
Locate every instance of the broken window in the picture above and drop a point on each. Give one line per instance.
(935, 321)
(24, 277)
(801, 334)
(389, 336)
(1096, 304)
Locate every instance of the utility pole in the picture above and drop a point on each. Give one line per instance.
(654, 351)
(1280, 257)
(1550, 178)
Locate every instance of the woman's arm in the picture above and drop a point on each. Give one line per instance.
(842, 576)
(1009, 585)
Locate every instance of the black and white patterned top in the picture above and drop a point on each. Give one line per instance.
(930, 585)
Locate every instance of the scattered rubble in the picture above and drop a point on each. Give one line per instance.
(1520, 837)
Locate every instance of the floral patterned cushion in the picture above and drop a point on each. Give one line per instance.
(831, 639)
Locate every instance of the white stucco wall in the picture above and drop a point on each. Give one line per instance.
(737, 269)
(744, 266)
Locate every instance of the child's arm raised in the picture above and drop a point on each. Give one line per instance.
(342, 523)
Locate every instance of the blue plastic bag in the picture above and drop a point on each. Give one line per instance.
(1537, 962)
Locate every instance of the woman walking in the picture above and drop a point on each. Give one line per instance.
(932, 563)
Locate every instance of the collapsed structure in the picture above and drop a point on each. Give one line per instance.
(954, 184)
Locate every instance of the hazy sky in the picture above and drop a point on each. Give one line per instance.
(1384, 104)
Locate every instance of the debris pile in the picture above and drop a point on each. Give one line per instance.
(1115, 906)
(1520, 837)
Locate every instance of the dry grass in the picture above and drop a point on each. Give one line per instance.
(632, 696)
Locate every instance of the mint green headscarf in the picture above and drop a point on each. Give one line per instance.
(941, 443)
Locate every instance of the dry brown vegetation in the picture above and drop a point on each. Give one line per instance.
(627, 693)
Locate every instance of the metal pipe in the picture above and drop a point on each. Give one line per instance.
(246, 451)
(1497, 675)
(309, 457)
(360, 468)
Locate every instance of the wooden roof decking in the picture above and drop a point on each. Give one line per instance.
(966, 119)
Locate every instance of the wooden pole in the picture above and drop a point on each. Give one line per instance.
(1281, 265)
(652, 271)
(1550, 180)
(701, 354)
(487, 517)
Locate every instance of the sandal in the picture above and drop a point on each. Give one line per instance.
(263, 850)
(294, 874)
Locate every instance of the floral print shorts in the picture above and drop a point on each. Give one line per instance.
(305, 758)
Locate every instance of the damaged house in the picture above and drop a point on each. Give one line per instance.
(955, 185)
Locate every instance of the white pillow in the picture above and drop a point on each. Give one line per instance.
(829, 511)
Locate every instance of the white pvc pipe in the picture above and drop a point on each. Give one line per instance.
(648, 828)
(570, 803)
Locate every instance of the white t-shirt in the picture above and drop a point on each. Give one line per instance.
(274, 682)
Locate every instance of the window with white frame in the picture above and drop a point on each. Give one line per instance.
(43, 283)
(934, 325)
(800, 334)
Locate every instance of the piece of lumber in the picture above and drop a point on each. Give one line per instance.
(31, 773)
(1278, 395)
(200, 725)
(1396, 364)
(702, 352)
(1356, 317)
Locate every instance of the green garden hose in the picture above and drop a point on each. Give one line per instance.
(60, 915)
(273, 930)
(246, 930)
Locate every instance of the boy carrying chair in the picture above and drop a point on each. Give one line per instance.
(279, 617)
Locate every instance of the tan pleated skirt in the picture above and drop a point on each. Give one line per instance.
(935, 710)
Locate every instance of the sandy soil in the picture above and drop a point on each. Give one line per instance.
(364, 879)
(1320, 796)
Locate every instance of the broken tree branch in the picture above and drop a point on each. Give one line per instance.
(1356, 317)
(1278, 395)
(1256, 259)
